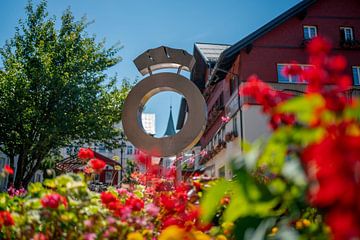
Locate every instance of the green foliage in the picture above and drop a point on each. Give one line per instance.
(54, 89)
(29, 215)
(267, 193)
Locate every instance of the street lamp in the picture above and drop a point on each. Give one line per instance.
(122, 147)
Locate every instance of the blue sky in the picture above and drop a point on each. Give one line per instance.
(142, 24)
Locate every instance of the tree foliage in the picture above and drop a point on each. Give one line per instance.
(54, 89)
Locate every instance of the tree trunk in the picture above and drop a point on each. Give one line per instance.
(19, 171)
(26, 180)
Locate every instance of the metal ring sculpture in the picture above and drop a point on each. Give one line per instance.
(189, 135)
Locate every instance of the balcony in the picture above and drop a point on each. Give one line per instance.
(350, 44)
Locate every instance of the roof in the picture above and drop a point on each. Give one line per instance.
(170, 129)
(210, 51)
(72, 163)
(228, 57)
(182, 113)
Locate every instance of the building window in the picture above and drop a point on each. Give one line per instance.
(232, 85)
(102, 148)
(290, 78)
(108, 176)
(129, 150)
(356, 75)
(310, 32)
(347, 34)
(97, 178)
(235, 124)
(222, 172)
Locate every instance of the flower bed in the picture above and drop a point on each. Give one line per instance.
(302, 183)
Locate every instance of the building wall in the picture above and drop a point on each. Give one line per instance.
(281, 45)
(255, 123)
(284, 43)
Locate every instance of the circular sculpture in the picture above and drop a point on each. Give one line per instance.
(194, 126)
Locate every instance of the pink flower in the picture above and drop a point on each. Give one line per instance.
(89, 236)
(88, 223)
(122, 191)
(39, 236)
(203, 152)
(225, 119)
(152, 209)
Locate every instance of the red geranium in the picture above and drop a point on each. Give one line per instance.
(136, 204)
(53, 200)
(107, 197)
(8, 169)
(97, 164)
(85, 153)
(6, 219)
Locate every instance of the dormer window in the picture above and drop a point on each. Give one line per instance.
(347, 34)
(310, 32)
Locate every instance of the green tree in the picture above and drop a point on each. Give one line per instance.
(54, 89)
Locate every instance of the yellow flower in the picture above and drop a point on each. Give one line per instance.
(172, 233)
(299, 225)
(306, 222)
(221, 237)
(201, 236)
(135, 236)
(274, 230)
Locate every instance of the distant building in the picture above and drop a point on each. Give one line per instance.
(170, 129)
(166, 162)
(148, 122)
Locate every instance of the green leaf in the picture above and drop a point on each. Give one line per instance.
(211, 199)
(304, 107)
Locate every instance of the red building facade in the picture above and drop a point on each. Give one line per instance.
(265, 52)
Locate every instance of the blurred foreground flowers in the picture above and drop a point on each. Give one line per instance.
(302, 183)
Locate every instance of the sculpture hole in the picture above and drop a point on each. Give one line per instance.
(156, 119)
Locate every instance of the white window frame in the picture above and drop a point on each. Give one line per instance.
(129, 150)
(308, 28)
(350, 29)
(290, 78)
(356, 70)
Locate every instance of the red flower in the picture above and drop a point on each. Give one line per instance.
(97, 164)
(8, 169)
(319, 46)
(85, 153)
(292, 70)
(337, 64)
(343, 224)
(332, 168)
(168, 202)
(107, 197)
(6, 219)
(143, 159)
(136, 204)
(53, 201)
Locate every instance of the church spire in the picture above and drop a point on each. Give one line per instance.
(170, 129)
